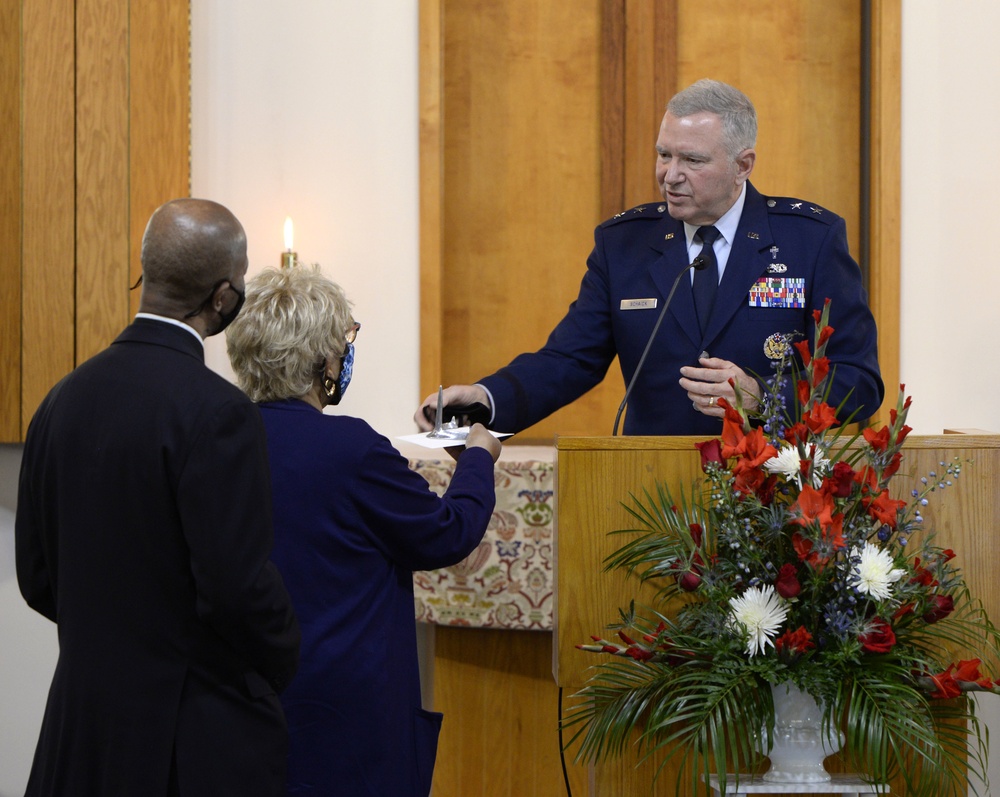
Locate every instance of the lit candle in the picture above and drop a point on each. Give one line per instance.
(288, 257)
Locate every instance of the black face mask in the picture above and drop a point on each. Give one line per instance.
(226, 318)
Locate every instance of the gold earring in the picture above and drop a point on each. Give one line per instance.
(329, 386)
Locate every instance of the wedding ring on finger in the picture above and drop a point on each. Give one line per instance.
(711, 401)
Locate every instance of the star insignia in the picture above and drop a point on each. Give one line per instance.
(639, 209)
(817, 211)
(796, 205)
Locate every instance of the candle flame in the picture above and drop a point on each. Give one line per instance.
(288, 233)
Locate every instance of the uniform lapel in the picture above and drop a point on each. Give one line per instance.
(672, 246)
(747, 262)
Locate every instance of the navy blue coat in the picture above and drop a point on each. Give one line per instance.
(143, 530)
(637, 255)
(351, 524)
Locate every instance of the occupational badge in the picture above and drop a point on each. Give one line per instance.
(775, 346)
(776, 268)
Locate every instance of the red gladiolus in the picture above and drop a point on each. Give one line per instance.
(711, 452)
(787, 584)
(813, 506)
(878, 440)
(625, 638)
(794, 643)
(797, 433)
(940, 607)
(640, 654)
(803, 391)
(945, 686)
(821, 367)
(696, 533)
(885, 509)
(802, 346)
(824, 334)
(969, 671)
(878, 637)
(902, 611)
(820, 417)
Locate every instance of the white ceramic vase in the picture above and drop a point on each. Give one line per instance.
(798, 742)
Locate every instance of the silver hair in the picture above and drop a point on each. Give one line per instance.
(293, 320)
(739, 118)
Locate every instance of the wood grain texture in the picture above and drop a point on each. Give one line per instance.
(48, 200)
(886, 166)
(102, 173)
(500, 704)
(159, 118)
(10, 222)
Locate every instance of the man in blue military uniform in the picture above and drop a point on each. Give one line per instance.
(770, 262)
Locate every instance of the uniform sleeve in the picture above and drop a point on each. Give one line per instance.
(416, 528)
(224, 498)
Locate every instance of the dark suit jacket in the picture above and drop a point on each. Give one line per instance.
(351, 524)
(143, 530)
(637, 255)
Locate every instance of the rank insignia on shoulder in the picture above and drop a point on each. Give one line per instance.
(776, 346)
(776, 268)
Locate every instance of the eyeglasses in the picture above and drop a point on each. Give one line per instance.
(352, 333)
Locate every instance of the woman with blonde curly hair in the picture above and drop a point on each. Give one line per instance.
(351, 524)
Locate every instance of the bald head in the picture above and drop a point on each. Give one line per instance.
(188, 247)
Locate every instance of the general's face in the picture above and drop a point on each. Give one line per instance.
(698, 178)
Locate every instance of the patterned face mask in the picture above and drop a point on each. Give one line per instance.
(346, 371)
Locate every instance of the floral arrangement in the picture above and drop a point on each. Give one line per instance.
(791, 563)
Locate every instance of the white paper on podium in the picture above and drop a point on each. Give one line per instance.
(455, 437)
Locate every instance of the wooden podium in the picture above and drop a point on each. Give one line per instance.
(594, 479)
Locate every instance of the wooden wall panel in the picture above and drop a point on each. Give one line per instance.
(521, 183)
(10, 221)
(800, 63)
(159, 117)
(102, 88)
(886, 189)
(102, 166)
(48, 199)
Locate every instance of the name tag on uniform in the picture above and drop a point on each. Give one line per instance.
(638, 304)
(787, 292)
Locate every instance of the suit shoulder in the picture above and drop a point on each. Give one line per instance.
(651, 211)
(791, 206)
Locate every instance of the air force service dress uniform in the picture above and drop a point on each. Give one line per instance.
(787, 258)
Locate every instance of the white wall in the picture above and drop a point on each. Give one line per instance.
(309, 109)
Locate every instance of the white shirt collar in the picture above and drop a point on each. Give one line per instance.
(174, 321)
(726, 225)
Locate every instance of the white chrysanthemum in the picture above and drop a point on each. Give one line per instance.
(873, 572)
(788, 463)
(760, 612)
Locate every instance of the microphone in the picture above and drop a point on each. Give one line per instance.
(698, 264)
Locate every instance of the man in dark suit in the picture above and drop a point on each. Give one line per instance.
(771, 262)
(143, 531)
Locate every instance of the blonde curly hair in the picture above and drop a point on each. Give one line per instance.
(294, 319)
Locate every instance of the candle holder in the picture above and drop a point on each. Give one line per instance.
(289, 259)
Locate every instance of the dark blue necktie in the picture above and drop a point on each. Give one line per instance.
(706, 281)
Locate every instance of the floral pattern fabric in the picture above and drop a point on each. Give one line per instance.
(507, 582)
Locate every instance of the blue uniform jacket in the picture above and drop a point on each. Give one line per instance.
(782, 246)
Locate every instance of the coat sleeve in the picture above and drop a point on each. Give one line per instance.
(224, 498)
(34, 549)
(416, 528)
